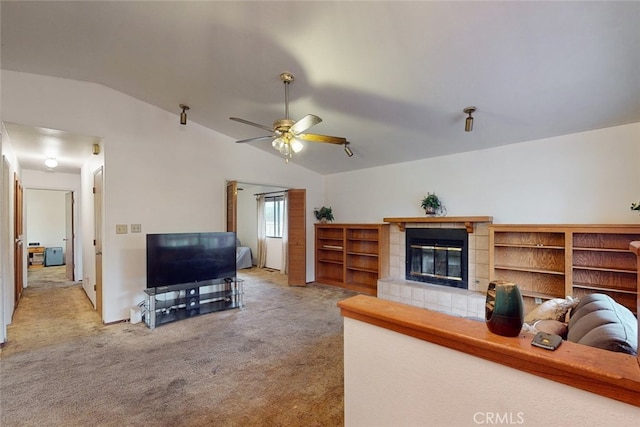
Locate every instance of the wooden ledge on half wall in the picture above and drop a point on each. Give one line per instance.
(468, 221)
(606, 373)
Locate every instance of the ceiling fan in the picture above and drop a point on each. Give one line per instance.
(287, 135)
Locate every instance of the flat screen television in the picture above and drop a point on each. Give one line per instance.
(178, 258)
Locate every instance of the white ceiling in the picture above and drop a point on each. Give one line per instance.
(34, 145)
(391, 76)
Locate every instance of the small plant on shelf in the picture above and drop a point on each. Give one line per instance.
(635, 206)
(431, 204)
(324, 214)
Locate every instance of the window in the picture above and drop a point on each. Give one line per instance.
(274, 215)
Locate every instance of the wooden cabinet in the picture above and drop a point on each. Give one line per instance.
(352, 256)
(553, 261)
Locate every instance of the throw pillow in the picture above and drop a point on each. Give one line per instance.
(553, 309)
(552, 327)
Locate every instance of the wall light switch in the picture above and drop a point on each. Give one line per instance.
(121, 228)
(136, 228)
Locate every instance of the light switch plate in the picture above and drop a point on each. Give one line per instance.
(136, 228)
(121, 228)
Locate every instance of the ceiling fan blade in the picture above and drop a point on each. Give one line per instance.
(305, 123)
(312, 137)
(247, 122)
(258, 138)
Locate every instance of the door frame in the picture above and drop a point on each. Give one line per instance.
(70, 235)
(18, 230)
(98, 187)
(299, 264)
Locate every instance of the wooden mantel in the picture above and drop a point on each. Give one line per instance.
(468, 221)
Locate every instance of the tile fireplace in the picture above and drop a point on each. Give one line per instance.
(450, 284)
(437, 255)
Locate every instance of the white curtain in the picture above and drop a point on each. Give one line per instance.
(285, 234)
(262, 233)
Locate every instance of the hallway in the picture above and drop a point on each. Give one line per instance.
(51, 310)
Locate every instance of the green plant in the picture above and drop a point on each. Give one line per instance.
(431, 201)
(635, 206)
(323, 213)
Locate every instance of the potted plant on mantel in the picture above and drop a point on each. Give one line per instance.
(431, 204)
(635, 206)
(323, 214)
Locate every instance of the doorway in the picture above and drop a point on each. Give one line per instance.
(242, 215)
(50, 231)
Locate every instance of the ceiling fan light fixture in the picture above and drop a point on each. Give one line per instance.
(183, 115)
(348, 150)
(287, 135)
(468, 123)
(51, 162)
(277, 143)
(296, 146)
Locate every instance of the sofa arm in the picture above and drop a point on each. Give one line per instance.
(598, 321)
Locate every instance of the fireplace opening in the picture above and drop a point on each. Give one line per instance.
(438, 256)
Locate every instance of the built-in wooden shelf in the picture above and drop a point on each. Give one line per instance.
(468, 221)
(352, 256)
(555, 260)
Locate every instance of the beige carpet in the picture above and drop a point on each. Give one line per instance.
(276, 362)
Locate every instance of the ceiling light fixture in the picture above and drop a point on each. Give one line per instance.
(183, 115)
(348, 150)
(51, 162)
(288, 136)
(287, 145)
(468, 123)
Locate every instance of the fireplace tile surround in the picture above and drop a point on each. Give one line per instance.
(454, 301)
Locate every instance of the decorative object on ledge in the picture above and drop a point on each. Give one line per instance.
(504, 310)
(468, 221)
(635, 206)
(323, 214)
(432, 205)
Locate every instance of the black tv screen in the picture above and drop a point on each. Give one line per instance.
(177, 258)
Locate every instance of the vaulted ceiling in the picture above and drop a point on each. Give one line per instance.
(390, 76)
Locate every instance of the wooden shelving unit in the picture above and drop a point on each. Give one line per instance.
(602, 262)
(553, 261)
(352, 256)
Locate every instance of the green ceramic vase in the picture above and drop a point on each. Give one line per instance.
(504, 309)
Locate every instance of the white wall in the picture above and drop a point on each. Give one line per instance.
(157, 173)
(10, 167)
(396, 380)
(274, 253)
(589, 177)
(45, 211)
